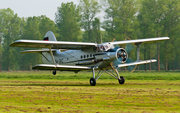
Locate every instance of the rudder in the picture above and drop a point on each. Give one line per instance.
(50, 36)
(46, 57)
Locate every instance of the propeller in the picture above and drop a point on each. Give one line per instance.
(129, 48)
(122, 55)
(130, 68)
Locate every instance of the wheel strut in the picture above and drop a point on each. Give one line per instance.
(95, 77)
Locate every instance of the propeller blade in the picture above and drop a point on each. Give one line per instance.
(130, 68)
(129, 47)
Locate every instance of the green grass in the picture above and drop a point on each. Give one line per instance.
(87, 75)
(143, 92)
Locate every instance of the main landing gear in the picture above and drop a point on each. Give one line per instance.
(93, 80)
(121, 80)
(54, 72)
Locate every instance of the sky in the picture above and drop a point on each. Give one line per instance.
(29, 8)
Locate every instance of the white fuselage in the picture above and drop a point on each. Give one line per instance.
(80, 57)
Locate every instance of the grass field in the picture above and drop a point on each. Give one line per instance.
(143, 92)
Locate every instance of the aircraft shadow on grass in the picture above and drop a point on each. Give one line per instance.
(71, 84)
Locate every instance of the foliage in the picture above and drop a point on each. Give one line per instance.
(89, 22)
(10, 31)
(123, 20)
(67, 21)
(13, 28)
(159, 18)
(120, 18)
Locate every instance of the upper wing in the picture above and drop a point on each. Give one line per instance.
(52, 44)
(76, 45)
(60, 67)
(144, 41)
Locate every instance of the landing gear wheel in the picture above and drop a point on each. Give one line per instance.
(92, 82)
(122, 80)
(54, 72)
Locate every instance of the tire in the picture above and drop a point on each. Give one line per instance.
(92, 82)
(54, 72)
(122, 80)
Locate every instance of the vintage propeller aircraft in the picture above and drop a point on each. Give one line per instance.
(79, 56)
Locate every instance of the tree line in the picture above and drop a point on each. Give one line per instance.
(122, 20)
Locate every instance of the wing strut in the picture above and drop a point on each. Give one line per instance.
(52, 55)
(138, 51)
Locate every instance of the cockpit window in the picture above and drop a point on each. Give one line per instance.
(102, 47)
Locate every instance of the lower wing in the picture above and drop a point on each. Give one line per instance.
(60, 67)
(81, 68)
(137, 63)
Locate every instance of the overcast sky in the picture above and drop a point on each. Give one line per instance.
(29, 8)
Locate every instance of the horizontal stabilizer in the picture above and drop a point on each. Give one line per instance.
(137, 63)
(60, 67)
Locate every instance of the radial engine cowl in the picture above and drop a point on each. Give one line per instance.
(121, 55)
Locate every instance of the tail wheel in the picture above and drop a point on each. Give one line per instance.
(92, 82)
(122, 80)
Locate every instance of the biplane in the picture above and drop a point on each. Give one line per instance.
(81, 56)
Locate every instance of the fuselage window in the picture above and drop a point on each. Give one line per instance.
(81, 56)
(87, 56)
(84, 56)
(90, 55)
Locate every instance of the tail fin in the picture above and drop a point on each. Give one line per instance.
(46, 56)
(50, 36)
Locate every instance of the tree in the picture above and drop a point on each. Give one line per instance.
(10, 32)
(171, 29)
(46, 25)
(31, 32)
(67, 22)
(95, 32)
(120, 18)
(89, 9)
(157, 16)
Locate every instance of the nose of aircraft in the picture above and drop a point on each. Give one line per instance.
(121, 55)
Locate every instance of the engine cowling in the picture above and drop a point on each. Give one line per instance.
(121, 55)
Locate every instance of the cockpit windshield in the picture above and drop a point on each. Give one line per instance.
(103, 47)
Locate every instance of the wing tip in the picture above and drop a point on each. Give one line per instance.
(12, 45)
